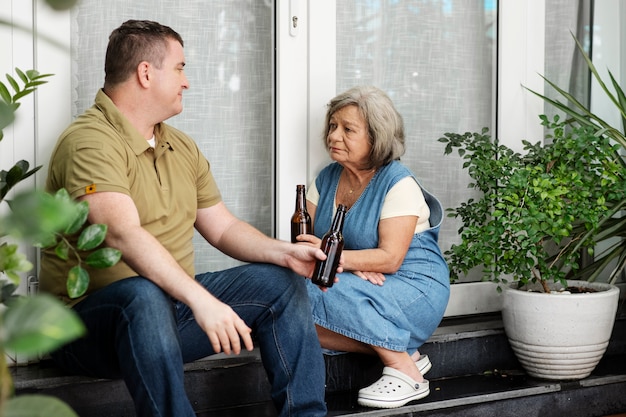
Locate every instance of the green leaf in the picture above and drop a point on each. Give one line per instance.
(32, 74)
(16, 173)
(62, 195)
(35, 405)
(62, 250)
(7, 292)
(12, 262)
(21, 74)
(35, 215)
(80, 217)
(77, 282)
(62, 4)
(13, 83)
(36, 83)
(92, 236)
(5, 94)
(39, 324)
(103, 258)
(7, 115)
(621, 97)
(46, 240)
(23, 93)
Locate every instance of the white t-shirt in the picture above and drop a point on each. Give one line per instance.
(404, 199)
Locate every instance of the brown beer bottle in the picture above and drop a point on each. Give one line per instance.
(301, 220)
(332, 245)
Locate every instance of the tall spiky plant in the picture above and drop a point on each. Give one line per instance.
(611, 236)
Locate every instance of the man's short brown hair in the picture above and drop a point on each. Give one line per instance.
(133, 42)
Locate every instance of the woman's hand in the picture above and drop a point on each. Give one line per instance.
(375, 278)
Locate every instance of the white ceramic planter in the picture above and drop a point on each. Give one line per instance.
(560, 336)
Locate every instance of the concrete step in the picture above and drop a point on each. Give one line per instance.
(474, 374)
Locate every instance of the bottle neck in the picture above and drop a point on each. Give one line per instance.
(300, 200)
(337, 225)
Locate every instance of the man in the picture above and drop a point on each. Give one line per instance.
(151, 186)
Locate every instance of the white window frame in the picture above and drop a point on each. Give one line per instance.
(520, 28)
(305, 81)
(39, 38)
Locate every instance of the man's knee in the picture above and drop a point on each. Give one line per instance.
(131, 300)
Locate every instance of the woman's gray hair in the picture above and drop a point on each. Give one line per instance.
(384, 123)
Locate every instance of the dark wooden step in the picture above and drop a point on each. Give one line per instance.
(474, 374)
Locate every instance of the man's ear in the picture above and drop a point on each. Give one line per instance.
(144, 73)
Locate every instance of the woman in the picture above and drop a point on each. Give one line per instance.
(396, 288)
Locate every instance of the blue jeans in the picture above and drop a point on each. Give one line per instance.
(137, 332)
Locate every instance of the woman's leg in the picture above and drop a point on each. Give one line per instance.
(335, 341)
(400, 361)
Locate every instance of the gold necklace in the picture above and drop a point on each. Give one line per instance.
(352, 190)
(353, 193)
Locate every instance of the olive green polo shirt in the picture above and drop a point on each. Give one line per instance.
(102, 151)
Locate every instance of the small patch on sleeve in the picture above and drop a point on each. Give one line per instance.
(90, 189)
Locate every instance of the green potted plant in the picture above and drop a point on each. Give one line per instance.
(535, 206)
(33, 325)
(537, 210)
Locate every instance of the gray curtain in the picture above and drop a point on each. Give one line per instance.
(564, 65)
(436, 60)
(228, 111)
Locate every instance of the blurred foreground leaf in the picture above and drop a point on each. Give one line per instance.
(39, 324)
(37, 406)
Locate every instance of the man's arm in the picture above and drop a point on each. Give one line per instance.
(144, 253)
(242, 241)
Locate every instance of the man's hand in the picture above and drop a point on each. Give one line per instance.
(301, 258)
(224, 328)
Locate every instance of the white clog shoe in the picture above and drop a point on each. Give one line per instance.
(393, 389)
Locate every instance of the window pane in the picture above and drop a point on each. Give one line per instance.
(564, 65)
(436, 61)
(228, 111)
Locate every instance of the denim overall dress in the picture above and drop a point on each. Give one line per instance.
(404, 312)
